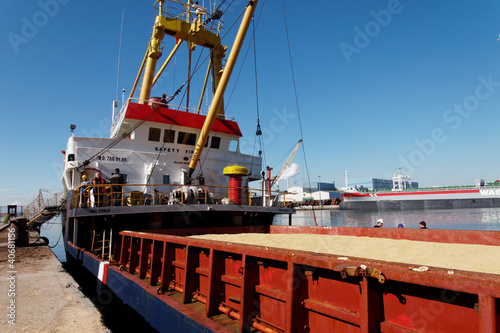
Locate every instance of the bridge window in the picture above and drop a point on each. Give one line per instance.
(233, 145)
(154, 134)
(215, 142)
(169, 136)
(186, 138)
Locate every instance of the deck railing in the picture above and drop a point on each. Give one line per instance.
(162, 194)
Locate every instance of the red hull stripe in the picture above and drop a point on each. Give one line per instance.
(180, 118)
(105, 273)
(389, 194)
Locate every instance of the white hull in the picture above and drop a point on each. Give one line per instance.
(423, 199)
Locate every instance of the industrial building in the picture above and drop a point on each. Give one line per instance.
(316, 191)
(376, 184)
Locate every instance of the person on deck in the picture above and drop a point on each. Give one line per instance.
(423, 225)
(84, 192)
(117, 179)
(163, 101)
(380, 223)
(98, 191)
(401, 226)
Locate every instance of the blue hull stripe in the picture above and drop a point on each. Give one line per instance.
(160, 315)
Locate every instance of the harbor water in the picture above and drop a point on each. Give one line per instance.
(462, 219)
(53, 231)
(459, 219)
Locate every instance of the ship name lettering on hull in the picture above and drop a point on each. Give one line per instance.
(168, 150)
(111, 158)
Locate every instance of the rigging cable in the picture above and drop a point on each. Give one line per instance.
(119, 57)
(214, 17)
(242, 62)
(217, 14)
(198, 66)
(119, 138)
(220, 42)
(258, 133)
(58, 239)
(297, 104)
(170, 98)
(202, 161)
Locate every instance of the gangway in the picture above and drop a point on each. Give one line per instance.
(43, 208)
(45, 215)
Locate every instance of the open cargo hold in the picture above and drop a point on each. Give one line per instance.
(226, 286)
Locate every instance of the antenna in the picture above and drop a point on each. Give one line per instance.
(119, 56)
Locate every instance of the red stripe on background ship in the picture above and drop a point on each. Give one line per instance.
(402, 196)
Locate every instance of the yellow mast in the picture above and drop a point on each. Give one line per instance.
(153, 54)
(204, 87)
(190, 52)
(167, 61)
(194, 33)
(132, 92)
(226, 74)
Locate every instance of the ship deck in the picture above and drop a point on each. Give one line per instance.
(183, 208)
(477, 258)
(220, 285)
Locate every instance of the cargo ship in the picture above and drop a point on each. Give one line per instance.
(166, 165)
(178, 172)
(402, 196)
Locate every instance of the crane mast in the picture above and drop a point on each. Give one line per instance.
(191, 30)
(217, 101)
(277, 178)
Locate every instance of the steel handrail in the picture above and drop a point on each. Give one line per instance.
(150, 191)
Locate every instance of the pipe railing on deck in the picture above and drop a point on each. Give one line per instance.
(106, 195)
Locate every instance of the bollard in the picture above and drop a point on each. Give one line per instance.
(21, 231)
(235, 174)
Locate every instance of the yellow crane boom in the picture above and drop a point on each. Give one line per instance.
(287, 163)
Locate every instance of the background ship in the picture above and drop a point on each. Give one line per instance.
(402, 196)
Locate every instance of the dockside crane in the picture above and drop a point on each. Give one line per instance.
(273, 180)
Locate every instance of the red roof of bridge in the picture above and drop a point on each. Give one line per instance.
(179, 118)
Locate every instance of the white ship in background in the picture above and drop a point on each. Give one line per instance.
(402, 196)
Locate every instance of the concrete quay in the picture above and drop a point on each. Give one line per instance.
(36, 292)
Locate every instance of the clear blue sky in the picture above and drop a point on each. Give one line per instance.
(380, 84)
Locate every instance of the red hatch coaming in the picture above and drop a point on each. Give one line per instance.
(389, 194)
(179, 118)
